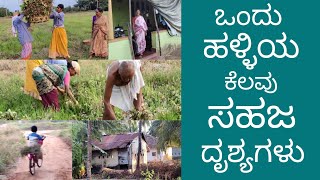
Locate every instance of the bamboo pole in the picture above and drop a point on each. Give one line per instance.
(110, 19)
(155, 19)
(130, 31)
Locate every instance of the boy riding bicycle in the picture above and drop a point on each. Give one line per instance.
(35, 139)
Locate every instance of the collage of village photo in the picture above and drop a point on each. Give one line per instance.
(90, 89)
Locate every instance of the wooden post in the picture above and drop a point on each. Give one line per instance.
(155, 19)
(130, 14)
(89, 149)
(110, 19)
(130, 32)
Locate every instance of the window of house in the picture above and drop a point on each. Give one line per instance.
(154, 153)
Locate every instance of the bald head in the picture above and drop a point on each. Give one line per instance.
(126, 71)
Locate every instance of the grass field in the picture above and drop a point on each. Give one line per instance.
(161, 93)
(78, 27)
(11, 143)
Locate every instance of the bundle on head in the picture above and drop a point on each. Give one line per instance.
(37, 11)
(33, 149)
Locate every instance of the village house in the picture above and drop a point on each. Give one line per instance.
(119, 151)
(171, 153)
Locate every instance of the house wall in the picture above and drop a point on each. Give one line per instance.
(176, 153)
(150, 157)
(119, 49)
(165, 40)
(98, 158)
(112, 158)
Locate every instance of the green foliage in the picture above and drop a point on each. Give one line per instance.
(26, 150)
(91, 4)
(4, 12)
(148, 175)
(71, 9)
(9, 115)
(11, 143)
(167, 132)
(79, 132)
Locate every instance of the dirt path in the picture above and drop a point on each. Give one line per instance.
(57, 161)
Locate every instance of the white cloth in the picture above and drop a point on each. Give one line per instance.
(14, 31)
(33, 141)
(122, 96)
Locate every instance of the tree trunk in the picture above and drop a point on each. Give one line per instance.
(139, 146)
(89, 149)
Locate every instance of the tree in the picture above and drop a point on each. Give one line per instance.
(89, 147)
(132, 126)
(4, 12)
(142, 124)
(79, 133)
(92, 4)
(80, 140)
(168, 133)
(139, 146)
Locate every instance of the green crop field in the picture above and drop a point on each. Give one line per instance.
(162, 93)
(78, 27)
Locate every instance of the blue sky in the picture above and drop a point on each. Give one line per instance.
(13, 5)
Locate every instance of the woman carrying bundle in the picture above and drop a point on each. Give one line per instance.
(24, 36)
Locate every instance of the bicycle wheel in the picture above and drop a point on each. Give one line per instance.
(39, 163)
(32, 166)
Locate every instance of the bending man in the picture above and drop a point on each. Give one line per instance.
(123, 87)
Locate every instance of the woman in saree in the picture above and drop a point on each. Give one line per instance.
(30, 87)
(140, 31)
(99, 43)
(48, 79)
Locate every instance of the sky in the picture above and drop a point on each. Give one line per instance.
(13, 5)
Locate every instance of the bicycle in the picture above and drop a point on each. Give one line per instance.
(33, 159)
